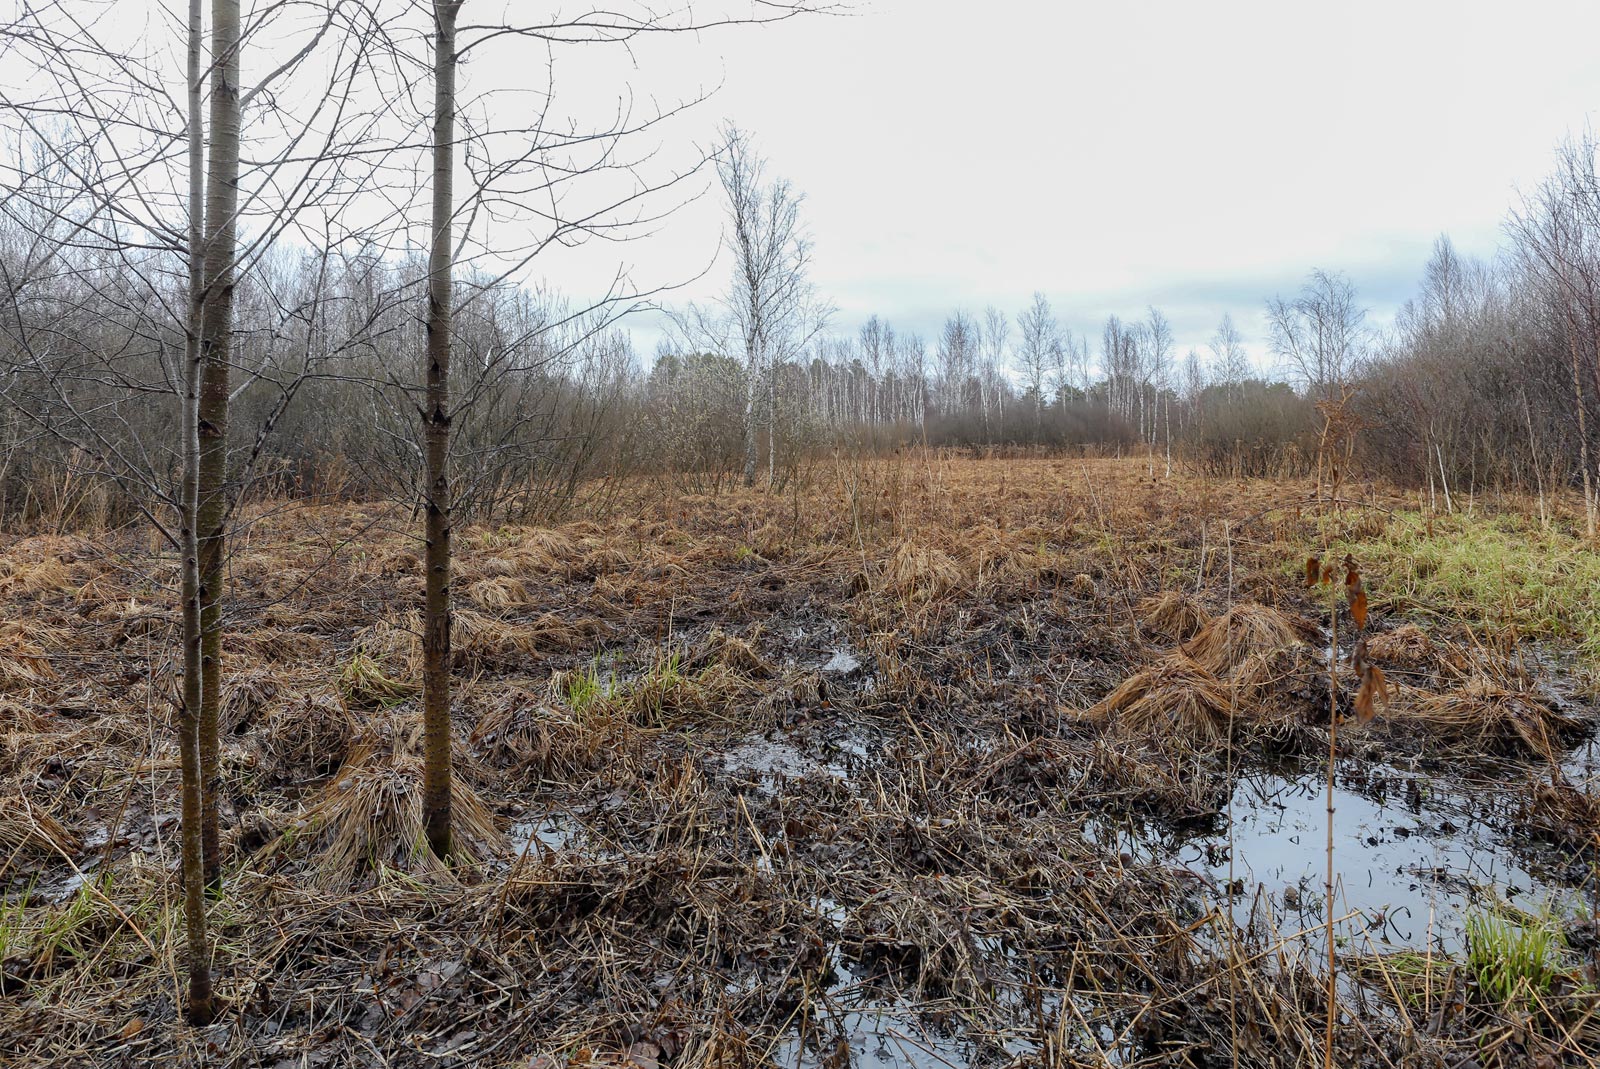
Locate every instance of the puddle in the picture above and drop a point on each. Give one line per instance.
(887, 1036)
(551, 833)
(1413, 856)
(767, 758)
(768, 761)
(1582, 767)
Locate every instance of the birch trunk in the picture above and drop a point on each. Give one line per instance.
(216, 345)
(436, 442)
(200, 1010)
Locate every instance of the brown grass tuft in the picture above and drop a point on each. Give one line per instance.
(30, 578)
(1174, 698)
(364, 685)
(244, 696)
(277, 644)
(1407, 646)
(29, 829)
(307, 738)
(731, 651)
(921, 573)
(500, 592)
(1173, 615)
(395, 643)
(22, 660)
(368, 823)
(1246, 629)
(1486, 716)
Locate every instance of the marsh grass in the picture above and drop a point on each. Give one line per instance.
(1500, 568)
(750, 844)
(1515, 960)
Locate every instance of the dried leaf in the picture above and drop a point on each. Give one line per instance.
(1355, 593)
(131, 1029)
(1374, 689)
(1313, 571)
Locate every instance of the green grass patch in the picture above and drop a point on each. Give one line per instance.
(1515, 960)
(1500, 569)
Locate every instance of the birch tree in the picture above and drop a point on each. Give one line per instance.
(1040, 345)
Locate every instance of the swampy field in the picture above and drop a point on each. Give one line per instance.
(921, 761)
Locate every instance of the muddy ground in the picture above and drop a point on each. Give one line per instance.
(922, 762)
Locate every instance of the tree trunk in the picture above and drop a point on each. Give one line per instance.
(216, 344)
(1583, 431)
(436, 442)
(751, 442)
(200, 1010)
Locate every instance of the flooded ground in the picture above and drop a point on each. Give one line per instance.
(1414, 854)
(1014, 782)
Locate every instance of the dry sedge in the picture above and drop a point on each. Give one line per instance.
(364, 685)
(1175, 697)
(921, 573)
(1489, 717)
(1407, 645)
(1173, 615)
(367, 823)
(500, 592)
(1246, 629)
(47, 575)
(22, 661)
(1277, 685)
(29, 829)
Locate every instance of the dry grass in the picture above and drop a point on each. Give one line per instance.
(1487, 717)
(743, 840)
(1407, 646)
(364, 685)
(1173, 615)
(1244, 631)
(28, 828)
(1174, 699)
(23, 663)
(366, 825)
(920, 573)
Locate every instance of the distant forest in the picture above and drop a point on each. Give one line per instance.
(1489, 377)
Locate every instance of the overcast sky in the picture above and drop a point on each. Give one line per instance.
(1195, 156)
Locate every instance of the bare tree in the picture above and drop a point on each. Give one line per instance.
(1157, 377)
(435, 412)
(915, 352)
(1228, 356)
(996, 330)
(140, 242)
(1320, 333)
(1040, 348)
(770, 300)
(958, 357)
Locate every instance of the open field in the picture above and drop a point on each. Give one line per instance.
(922, 761)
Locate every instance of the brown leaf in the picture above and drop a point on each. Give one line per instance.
(1355, 593)
(1374, 689)
(131, 1029)
(644, 1055)
(1313, 571)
